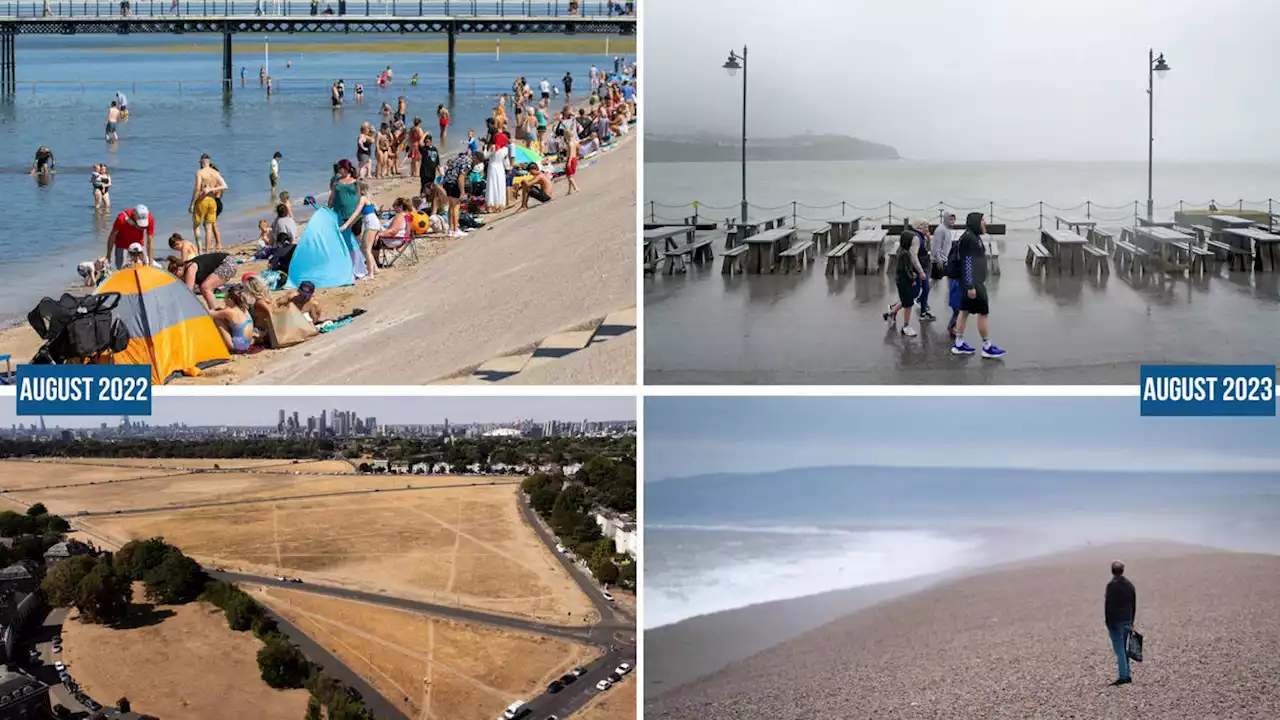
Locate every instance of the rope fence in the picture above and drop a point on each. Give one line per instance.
(1009, 215)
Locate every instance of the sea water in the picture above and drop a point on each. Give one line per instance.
(796, 533)
(178, 112)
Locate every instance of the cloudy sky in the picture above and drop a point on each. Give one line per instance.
(986, 79)
(690, 436)
(392, 410)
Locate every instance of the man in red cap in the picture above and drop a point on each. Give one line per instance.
(132, 225)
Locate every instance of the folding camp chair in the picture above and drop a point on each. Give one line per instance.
(395, 247)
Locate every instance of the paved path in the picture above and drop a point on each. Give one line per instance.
(503, 289)
(309, 496)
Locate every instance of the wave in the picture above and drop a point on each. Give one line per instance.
(855, 559)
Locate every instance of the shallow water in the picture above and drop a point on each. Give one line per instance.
(177, 112)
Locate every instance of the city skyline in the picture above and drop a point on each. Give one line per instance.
(263, 411)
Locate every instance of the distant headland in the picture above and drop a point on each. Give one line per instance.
(716, 148)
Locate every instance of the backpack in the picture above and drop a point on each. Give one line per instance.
(953, 260)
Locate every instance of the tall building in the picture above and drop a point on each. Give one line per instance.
(323, 426)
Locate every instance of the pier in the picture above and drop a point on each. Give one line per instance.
(229, 18)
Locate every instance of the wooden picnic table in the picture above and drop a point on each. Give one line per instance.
(667, 235)
(1066, 248)
(1266, 247)
(842, 227)
(763, 249)
(757, 225)
(1223, 222)
(1074, 224)
(866, 246)
(1163, 241)
(651, 256)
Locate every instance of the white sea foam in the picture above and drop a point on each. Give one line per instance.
(840, 559)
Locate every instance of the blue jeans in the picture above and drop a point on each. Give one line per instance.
(1119, 639)
(922, 293)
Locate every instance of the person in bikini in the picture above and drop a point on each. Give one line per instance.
(442, 114)
(235, 321)
(204, 205)
(44, 162)
(571, 166)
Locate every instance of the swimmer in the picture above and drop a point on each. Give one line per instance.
(414, 80)
(44, 163)
(359, 93)
(113, 117)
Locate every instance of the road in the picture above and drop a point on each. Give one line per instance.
(308, 496)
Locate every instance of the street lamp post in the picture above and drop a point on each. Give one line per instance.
(1155, 66)
(732, 65)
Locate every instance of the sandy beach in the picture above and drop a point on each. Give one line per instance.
(1017, 641)
(506, 286)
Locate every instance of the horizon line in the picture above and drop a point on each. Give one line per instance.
(943, 467)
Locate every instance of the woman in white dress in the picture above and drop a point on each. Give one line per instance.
(495, 178)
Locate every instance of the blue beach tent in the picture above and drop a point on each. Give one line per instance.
(322, 255)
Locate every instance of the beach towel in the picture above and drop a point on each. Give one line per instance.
(1133, 646)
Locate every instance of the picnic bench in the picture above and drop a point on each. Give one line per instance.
(1161, 242)
(1200, 258)
(651, 257)
(1102, 239)
(1095, 261)
(843, 227)
(1037, 258)
(822, 238)
(1130, 257)
(667, 235)
(1073, 224)
(753, 227)
(865, 244)
(1265, 252)
(798, 256)
(765, 247)
(1065, 247)
(838, 258)
(733, 259)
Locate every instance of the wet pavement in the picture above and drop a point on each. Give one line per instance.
(805, 328)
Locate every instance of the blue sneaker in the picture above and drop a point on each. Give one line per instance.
(962, 349)
(991, 351)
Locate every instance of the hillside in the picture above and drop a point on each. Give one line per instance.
(710, 148)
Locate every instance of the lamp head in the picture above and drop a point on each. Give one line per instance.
(731, 64)
(1161, 66)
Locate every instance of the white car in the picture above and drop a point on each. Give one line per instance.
(603, 685)
(606, 595)
(59, 666)
(515, 710)
(623, 669)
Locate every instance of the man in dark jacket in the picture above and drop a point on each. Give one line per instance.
(972, 257)
(1120, 607)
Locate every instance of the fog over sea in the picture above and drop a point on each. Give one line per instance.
(719, 542)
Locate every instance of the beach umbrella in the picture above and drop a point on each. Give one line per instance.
(522, 155)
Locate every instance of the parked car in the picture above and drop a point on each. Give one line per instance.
(295, 580)
(515, 710)
(552, 717)
(282, 578)
(555, 687)
(59, 666)
(623, 669)
(614, 677)
(56, 648)
(568, 679)
(579, 671)
(603, 685)
(93, 705)
(606, 595)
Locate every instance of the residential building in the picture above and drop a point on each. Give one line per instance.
(23, 697)
(620, 529)
(64, 550)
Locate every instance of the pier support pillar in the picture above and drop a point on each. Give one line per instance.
(226, 62)
(8, 62)
(453, 60)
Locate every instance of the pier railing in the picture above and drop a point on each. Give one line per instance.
(1036, 215)
(302, 8)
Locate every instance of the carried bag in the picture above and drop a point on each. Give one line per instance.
(288, 327)
(1133, 646)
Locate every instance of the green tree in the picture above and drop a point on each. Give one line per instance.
(282, 664)
(102, 595)
(177, 579)
(55, 524)
(37, 510)
(607, 574)
(544, 500)
(627, 576)
(242, 612)
(139, 557)
(60, 585)
(567, 510)
(314, 711)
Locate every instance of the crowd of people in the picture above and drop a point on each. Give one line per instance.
(923, 259)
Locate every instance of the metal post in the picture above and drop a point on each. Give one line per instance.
(453, 60)
(1151, 127)
(890, 212)
(1041, 214)
(653, 212)
(991, 210)
(1241, 206)
(841, 208)
(744, 134)
(794, 214)
(1088, 209)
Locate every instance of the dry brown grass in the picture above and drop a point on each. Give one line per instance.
(23, 474)
(453, 670)
(198, 488)
(165, 669)
(616, 703)
(455, 546)
(181, 463)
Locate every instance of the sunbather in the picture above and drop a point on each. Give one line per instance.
(304, 298)
(539, 188)
(235, 323)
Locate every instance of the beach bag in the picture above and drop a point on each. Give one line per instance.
(953, 260)
(1133, 646)
(288, 327)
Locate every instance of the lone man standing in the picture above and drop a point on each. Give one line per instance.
(204, 207)
(1120, 607)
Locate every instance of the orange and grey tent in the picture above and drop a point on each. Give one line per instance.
(169, 328)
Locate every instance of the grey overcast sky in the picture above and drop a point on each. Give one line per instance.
(396, 411)
(983, 79)
(686, 436)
